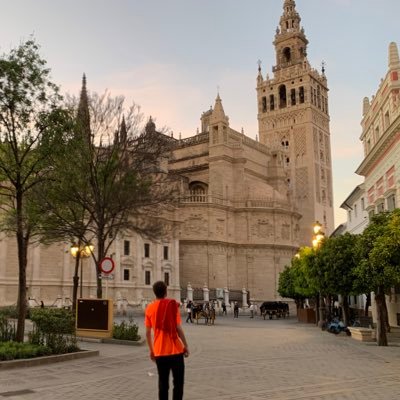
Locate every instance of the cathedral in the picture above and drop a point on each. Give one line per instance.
(246, 205)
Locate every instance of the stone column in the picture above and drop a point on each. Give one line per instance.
(244, 298)
(226, 296)
(206, 293)
(189, 294)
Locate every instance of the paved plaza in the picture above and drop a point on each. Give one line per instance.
(244, 359)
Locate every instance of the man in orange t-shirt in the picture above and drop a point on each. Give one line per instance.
(169, 345)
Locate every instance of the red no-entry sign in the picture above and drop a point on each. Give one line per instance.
(107, 265)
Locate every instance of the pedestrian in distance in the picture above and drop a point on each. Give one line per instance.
(166, 341)
(236, 310)
(189, 308)
(223, 308)
(251, 308)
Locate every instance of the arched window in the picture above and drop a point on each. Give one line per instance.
(282, 96)
(272, 102)
(198, 192)
(301, 94)
(293, 97)
(287, 56)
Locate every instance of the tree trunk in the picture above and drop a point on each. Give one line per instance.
(386, 316)
(22, 245)
(380, 300)
(75, 282)
(346, 310)
(100, 256)
(367, 304)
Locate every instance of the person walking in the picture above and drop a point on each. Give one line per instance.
(223, 308)
(251, 308)
(168, 347)
(236, 310)
(189, 308)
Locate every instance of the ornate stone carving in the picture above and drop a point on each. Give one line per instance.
(263, 229)
(195, 224)
(300, 144)
(301, 182)
(220, 228)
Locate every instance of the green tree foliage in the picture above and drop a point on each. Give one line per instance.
(295, 281)
(379, 267)
(335, 266)
(31, 126)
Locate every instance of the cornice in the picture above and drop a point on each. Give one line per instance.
(385, 142)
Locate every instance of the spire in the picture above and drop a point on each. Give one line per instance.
(218, 109)
(394, 61)
(366, 105)
(150, 126)
(218, 113)
(290, 20)
(83, 116)
(290, 40)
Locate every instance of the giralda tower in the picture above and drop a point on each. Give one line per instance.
(293, 116)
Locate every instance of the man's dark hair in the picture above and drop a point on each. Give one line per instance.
(160, 289)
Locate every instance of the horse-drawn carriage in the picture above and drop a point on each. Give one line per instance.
(277, 308)
(206, 311)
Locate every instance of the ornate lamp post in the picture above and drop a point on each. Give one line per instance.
(79, 252)
(319, 235)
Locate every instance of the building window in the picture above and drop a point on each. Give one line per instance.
(264, 104)
(391, 202)
(362, 203)
(301, 94)
(355, 210)
(272, 102)
(287, 54)
(387, 120)
(127, 247)
(147, 278)
(166, 253)
(376, 135)
(371, 214)
(379, 187)
(147, 250)
(166, 278)
(349, 215)
(293, 97)
(380, 208)
(126, 274)
(282, 96)
(390, 178)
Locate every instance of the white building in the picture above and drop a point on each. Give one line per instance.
(381, 164)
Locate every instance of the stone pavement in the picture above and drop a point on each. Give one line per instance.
(240, 359)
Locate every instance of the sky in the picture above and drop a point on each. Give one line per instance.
(172, 57)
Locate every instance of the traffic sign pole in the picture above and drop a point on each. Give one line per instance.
(107, 266)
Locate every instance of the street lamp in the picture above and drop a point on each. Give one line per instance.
(319, 235)
(80, 252)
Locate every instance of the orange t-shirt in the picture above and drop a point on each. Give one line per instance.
(164, 344)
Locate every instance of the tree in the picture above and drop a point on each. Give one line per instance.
(379, 264)
(294, 280)
(336, 264)
(111, 178)
(31, 126)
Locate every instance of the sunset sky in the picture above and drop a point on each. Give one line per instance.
(170, 56)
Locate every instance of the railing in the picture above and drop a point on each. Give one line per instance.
(193, 140)
(193, 197)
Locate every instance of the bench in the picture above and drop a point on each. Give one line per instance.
(363, 334)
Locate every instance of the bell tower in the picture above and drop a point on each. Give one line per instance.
(293, 116)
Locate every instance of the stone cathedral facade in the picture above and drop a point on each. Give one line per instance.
(246, 205)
